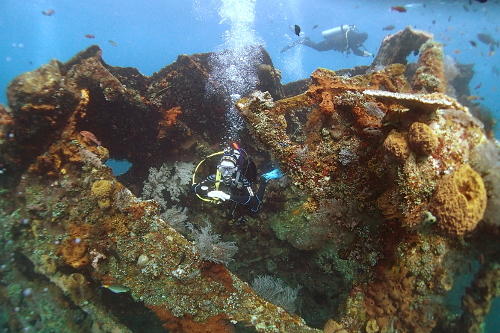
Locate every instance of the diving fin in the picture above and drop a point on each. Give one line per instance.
(273, 174)
(289, 46)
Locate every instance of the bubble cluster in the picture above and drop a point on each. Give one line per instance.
(234, 66)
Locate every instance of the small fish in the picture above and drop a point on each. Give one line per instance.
(465, 8)
(112, 42)
(315, 26)
(297, 30)
(389, 27)
(475, 98)
(90, 36)
(415, 52)
(473, 43)
(433, 21)
(91, 137)
(492, 52)
(49, 12)
(116, 288)
(399, 9)
(478, 86)
(449, 18)
(456, 51)
(487, 39)
(495, 70)
(481, 1)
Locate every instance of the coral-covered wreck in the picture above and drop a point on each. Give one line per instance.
(391, 191)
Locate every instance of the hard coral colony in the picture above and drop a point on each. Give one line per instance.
(382, 205)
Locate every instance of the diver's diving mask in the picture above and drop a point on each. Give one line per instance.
(227, 169)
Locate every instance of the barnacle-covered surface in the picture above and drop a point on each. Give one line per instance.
(80, 228)
(389, 149)
(361, 221)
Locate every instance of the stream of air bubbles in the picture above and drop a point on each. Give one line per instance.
(234, 72)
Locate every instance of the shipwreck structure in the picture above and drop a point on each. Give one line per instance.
(391, 190)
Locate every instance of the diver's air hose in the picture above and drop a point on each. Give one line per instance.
(217, 176)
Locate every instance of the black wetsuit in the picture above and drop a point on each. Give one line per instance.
(342, 42)
(245, 197)
(338, 43)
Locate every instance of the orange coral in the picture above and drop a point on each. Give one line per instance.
(363, 119)
(392, 297)
(73, 249)
(219, 273)
(422, 139)
(459, 201)
(396, 146)
(73, 253)
(169, 119)
(186, 324)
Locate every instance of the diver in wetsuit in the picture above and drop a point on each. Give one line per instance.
(344, 39)
(230, 183)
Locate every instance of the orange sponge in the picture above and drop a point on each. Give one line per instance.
(422, 139)
(459, 201)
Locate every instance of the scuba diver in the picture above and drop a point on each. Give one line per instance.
(232, 180)
(343, 39)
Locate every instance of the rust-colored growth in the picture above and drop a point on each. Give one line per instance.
(389, 205)
(326, 85)
(380, 79)
(5, 122)
(45, 165)
(422, 139)
(363, 119)
(118, 223)
(219, 273)
(326, 105)
(136, 211)
(169, 119)
(391, 78)
(74, 248)
(429, 77)
(73, 253)
(459, 201)
(396, 147)
(186, 324)
(392, 296)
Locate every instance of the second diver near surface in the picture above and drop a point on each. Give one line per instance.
(345, 39)
(230, 182)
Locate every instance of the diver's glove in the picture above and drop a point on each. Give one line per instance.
(273, 174)
(219, 195)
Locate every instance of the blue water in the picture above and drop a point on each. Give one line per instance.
(151, 34)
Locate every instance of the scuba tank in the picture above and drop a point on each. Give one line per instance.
(331, 33)
(245, 164)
